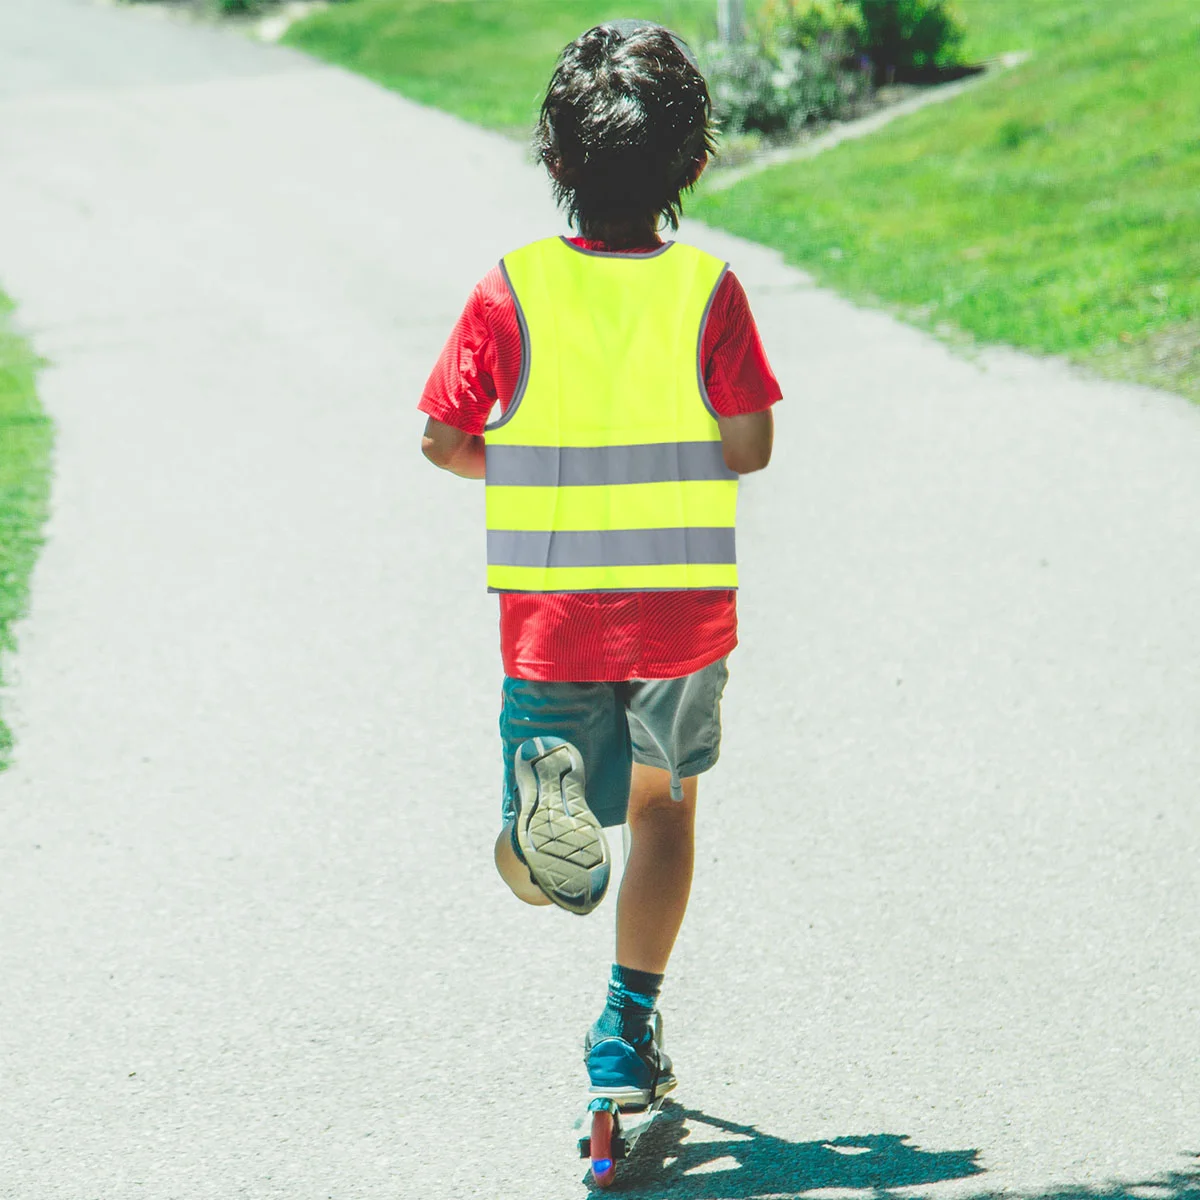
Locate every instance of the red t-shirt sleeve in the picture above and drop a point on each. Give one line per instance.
(481, 361)
(480, 364)
(736, 372)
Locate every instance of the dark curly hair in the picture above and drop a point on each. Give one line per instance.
(625, 127)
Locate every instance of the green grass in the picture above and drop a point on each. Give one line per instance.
(486, 60)
(1055, 208)
(26, 436)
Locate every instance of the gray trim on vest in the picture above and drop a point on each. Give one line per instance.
(523, 378)
(635, 255)
(610, 547)
(599, 466)
(700, 343)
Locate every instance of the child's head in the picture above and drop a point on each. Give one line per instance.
(625, 127)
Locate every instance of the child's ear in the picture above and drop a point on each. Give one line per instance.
(562, 174)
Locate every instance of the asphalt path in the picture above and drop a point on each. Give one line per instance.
(943, 938)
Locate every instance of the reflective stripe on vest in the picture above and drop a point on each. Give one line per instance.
(605, 472)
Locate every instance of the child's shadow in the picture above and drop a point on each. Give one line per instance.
(747, 1163)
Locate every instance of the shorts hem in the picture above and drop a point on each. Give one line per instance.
(685, 770)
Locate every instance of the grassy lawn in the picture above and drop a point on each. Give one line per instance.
(1055, 208)
(25, 441)
(486, 60)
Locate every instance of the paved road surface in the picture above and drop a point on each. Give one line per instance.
(944, 932)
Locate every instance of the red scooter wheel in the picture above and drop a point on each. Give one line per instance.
(604, 1165)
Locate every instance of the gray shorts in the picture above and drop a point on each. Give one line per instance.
(674, 724)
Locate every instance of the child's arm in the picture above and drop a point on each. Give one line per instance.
(741, 385)
(480, 364)
(452, 449)
(746, 440)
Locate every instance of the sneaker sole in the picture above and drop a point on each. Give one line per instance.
(562, 842)
(634, 1098)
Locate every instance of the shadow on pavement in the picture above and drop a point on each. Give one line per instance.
(689, 1155)
(746, 1163)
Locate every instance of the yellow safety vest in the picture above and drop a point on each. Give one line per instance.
(605, 472)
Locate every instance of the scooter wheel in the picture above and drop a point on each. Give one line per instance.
(604, 1165)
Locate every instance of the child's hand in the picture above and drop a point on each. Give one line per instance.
(453, 450)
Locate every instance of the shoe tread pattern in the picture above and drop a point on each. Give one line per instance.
(565, 831)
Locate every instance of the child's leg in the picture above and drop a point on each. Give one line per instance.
(556, 797)
(673, 723)
(623, 1053)
(658, 874)
(515, 873)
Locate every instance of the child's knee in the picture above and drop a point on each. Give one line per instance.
(650, 801)
(652, 785)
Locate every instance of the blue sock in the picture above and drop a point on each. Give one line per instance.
(629, 1012)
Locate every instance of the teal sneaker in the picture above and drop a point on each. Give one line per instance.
(633, 1076)
(557, 836)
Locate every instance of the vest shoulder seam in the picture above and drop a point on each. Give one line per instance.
(523, 377)
(703, 383)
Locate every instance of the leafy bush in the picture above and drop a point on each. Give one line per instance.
(813, 24)
(745, 94)
(806, 59)
(904, 37)
(798, 69)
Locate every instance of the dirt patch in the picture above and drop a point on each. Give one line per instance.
(1168, 358)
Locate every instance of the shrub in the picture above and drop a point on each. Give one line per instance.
(793, 72)
(906, 37)
(745, 95)
(813, 24)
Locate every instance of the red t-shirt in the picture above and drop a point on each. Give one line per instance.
(585, 636)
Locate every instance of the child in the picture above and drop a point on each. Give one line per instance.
(633, 390)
